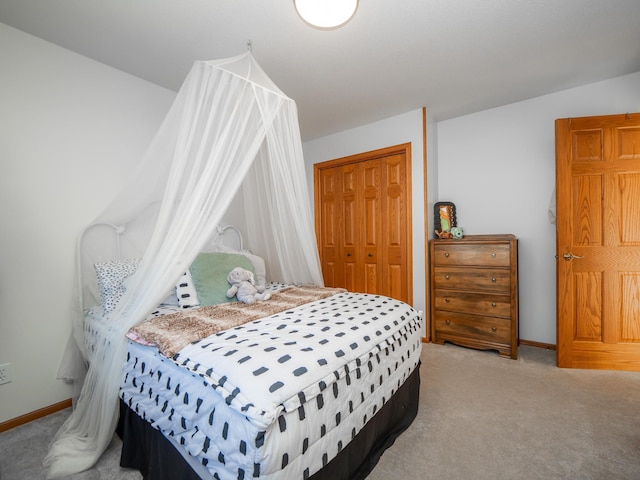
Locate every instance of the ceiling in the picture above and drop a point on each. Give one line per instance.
(453, 56)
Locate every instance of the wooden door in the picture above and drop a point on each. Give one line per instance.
(363, 222)
(598, 242)
(368, 224)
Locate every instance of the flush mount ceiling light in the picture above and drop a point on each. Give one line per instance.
(326, 13)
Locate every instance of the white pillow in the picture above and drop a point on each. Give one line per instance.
(171, 299)
(111, 276)
(186, 291)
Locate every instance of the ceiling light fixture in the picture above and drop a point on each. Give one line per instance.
(326, 14)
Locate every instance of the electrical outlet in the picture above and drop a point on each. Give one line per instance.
(5, 373)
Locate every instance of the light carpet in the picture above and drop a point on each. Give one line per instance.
(481, 417)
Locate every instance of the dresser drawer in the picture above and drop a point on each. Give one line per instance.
(476, 303)
(476, 327)
(485, 279)
(492, 255)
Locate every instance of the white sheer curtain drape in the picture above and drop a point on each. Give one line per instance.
(229, 126)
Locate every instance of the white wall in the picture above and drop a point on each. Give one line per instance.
(392, 131)
(498, 167)
(70, 130)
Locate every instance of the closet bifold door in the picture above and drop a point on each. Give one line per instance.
(363, 224)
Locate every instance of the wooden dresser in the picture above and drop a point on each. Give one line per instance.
(474, 292)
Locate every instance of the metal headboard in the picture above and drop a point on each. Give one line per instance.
(222, 229)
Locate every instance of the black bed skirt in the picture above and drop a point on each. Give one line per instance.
(145, 449)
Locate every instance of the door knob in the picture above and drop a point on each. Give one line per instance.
(571, 256)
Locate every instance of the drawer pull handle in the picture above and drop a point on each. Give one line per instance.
(446, 254)
(447, 299)
(493, 304)
(493, 255)
(448, 322)
(446, 277)
(371, 254)
(493, 329)
(493, 279)
(348, 254)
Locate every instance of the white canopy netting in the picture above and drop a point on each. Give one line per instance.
(230, 136)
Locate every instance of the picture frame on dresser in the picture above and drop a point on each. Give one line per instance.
(444, 217)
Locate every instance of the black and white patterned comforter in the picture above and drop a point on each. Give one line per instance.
(281, 396)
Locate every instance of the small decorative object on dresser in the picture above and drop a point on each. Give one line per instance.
(456, 232)
(474, 292)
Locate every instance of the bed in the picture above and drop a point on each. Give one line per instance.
(313, 383)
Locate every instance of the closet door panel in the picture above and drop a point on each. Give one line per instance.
(329, 185)
(395, 280)
(371, 176)
(394, 211)
(350, 279)
(349, 252)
